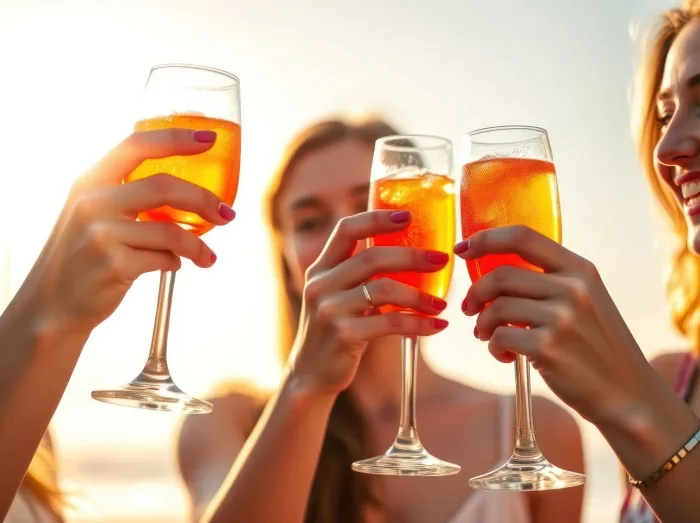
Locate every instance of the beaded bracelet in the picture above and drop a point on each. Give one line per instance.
(672, 462)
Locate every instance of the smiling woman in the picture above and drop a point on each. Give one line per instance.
(668, 140)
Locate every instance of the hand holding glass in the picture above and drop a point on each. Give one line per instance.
(509, 179)
(198, 98)
(414, 173)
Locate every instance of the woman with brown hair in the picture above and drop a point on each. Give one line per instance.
(577, 338)
(288, 458)
(95, 252)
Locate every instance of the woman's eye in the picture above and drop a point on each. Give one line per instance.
(664, 119)
(307, 224)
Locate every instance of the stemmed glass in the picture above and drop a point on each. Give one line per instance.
(414, 173)
(508, 178)
(199, 98)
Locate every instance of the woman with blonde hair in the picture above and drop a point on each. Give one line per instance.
(577, 338)
(288, 458)
(92, 257)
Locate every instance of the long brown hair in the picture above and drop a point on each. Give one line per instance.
(337, 494)
(683, 279)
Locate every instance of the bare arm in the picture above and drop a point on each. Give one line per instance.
(665, 366)
(585, 352)
(559, 439)
(646, 435)
(36, 362)
(93, 255)
(272, 475)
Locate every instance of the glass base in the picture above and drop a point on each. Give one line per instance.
(520, 474)
(406, 462)
(143, 393)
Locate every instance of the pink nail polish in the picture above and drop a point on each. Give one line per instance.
(204, 136)
(439, 323)
(226, 212)
(461, 247)
(400, 216)
(438, 258)
(439, 304)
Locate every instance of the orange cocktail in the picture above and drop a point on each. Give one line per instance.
(430, 198)
(496, 192)
(216, 169)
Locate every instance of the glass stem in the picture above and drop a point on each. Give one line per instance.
(525, 444)
(408, 433)
(156, 368)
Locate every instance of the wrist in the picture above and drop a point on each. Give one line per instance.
(28, 311)
(647, 427)
(305, 392)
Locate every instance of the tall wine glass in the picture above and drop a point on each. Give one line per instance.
(199, 98)
(414, 173)
(508, 178)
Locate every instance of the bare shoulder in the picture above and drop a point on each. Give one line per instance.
(559, 438)
(666, 365)
(208, 445)
(558, 432)
(234, 416)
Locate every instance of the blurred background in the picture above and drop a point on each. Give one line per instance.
(71, 75)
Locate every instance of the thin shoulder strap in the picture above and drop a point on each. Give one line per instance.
(506, 409)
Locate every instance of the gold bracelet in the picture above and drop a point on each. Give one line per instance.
(672, 462)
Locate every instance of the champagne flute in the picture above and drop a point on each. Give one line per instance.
(414, 173)
(508, 178)
(199, 98)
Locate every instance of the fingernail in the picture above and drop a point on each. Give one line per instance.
(461, 247)
(438, 258)
(212, 257)
(476, 333)
(226, 212)
(464, 306)
(439, 323)
(509, 357)
(400, 216)
(204, 136)
(439, 304)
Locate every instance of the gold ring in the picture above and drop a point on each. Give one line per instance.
(365, 290)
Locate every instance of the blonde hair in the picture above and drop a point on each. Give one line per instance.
(40, 480)
(683, 278)
(338, 494)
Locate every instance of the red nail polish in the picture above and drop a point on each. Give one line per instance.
(438, 258)
(464, 306)
(439, 304)
(476, 333)
(439, 323)
(212, 257)
(461, 247)
(400, 216)
(226, 212)
(204, 136)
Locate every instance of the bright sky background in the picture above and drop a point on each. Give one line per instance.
(72, 72)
